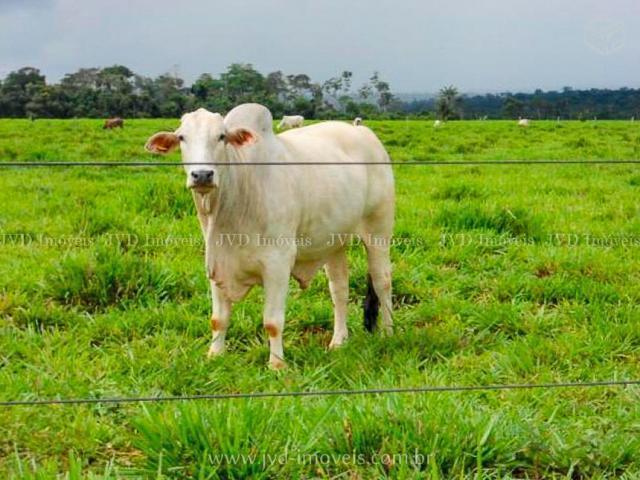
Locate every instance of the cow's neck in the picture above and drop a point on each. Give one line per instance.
(235, 206)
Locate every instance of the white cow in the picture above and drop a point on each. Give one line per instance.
(523, 122)
(264, 223)
(291, 121)
(437, 124)
(357, 121)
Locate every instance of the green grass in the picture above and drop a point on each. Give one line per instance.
(501, 275)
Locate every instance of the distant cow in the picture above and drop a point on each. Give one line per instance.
(437, 124)
(291, 121)
(264, 223)
(113, 123)
(523, 122)
(357, 121)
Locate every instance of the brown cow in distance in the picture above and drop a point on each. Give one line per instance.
(113, 123)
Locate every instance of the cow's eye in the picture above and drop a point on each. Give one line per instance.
(221, 137)
(181, 138)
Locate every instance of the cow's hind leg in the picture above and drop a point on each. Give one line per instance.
(219, 320)
(337, 270)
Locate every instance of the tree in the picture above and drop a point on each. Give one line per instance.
(448, 103)
(17, 89)
(299, 85)
(383, 90)
(170, 95)
(46, 101)
(365, 92)
(243, 83)
(277, 85)
(206, 86)
(513, 107)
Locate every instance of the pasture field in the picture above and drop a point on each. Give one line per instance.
(502, 274)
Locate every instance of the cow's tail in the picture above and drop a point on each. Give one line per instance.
(371, 306)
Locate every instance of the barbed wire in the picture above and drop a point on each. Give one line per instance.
(239, 164)
(318, 393)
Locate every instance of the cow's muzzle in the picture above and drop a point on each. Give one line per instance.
(201, 179)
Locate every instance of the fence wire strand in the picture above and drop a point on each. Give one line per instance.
(240, 164)
(318, 393)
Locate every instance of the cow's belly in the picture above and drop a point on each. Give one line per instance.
(331, 221)
(322, 238)
(233, 277)
(304, 271)
(235, 287)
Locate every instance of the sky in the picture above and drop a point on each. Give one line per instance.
(417, 45)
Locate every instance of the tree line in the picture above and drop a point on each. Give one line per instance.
(567, 104)
(118, 91)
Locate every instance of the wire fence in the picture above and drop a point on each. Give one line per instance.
(424, 163)
(319, 393)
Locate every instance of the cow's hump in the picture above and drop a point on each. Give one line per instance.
(250, 115)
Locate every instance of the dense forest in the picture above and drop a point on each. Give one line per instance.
(604, 104)
(118, 91)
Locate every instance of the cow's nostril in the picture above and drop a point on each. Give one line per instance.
(202, 177)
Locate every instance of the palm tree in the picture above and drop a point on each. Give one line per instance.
(448, 102)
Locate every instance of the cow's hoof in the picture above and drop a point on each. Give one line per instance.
(337, 342)
(277, 364)
(215, 351)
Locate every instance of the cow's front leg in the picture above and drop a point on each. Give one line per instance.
(219, 319)
(276, 286)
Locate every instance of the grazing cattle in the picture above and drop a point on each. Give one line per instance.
(357, 121)
(264, 223)
(437, 124)
(291, 121)
(111, 123)
(523, 122)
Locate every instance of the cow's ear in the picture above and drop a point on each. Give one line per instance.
(162, 142)
(239, 137)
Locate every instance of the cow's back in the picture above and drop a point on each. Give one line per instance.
(337, 197)
(341, 142)
(358, 143)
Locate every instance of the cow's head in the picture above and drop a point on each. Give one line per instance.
(203, 140)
